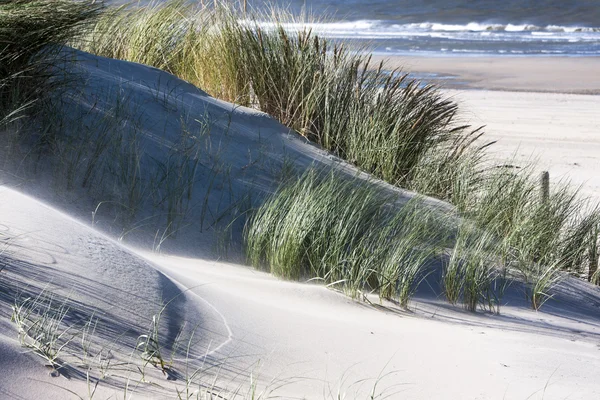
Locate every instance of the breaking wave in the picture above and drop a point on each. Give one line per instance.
(382, 29)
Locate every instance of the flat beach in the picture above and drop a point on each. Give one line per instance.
(575, 75)
(544, 109)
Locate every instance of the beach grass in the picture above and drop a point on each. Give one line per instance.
(346, 232)
(39, 324)
(352, 235)
(472, 268)
(542, 238)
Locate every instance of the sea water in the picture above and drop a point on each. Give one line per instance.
(468, 27)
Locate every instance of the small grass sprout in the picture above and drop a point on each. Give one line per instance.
(42, 329)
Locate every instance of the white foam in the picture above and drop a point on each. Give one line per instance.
(521, 28)
(572, 29)
(379, 28)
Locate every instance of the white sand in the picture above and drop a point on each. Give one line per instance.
(312, 339)
(435, 352)
(305, 336)
(559, 131)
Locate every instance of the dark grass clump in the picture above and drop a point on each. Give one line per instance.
(32, 33)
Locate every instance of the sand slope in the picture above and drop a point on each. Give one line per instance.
(233, 156)
(433, 352)
(49, 255)
(307, 338)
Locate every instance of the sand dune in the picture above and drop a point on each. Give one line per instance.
(241, 154)
(301, 340)
(431, 352)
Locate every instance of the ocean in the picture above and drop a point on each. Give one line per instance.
(458, 27)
